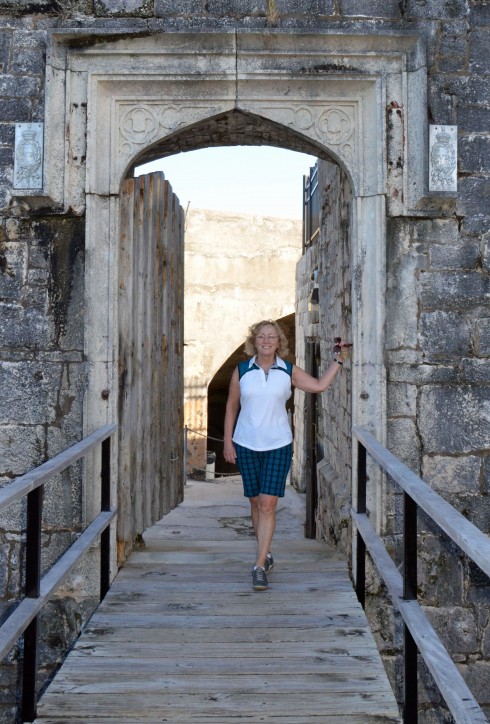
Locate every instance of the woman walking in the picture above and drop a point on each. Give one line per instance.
(261, 442)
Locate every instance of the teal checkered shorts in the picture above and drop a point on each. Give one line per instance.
(264, 471)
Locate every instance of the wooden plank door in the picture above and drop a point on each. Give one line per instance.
(151, 388)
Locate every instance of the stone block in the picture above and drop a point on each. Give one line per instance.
(476, 508)
(453, 257)
(486, 475)
(56, 538)
(452, 64)
(486, 252)
(435, 230)
(15, 86)
(7, 134)
(6, 156)
(456, 627)
(472, 119)
(29, 52)
(13, 270)
(435, 9)
(454, 39)
(131, 8)
(403, 441)
(440, 571)
(423, 374)
(23, 448)
(236, 8)
(439, 99)
(479, 14)
(477, 676)
(474, 154)
(448, 475)
(452, 290)
(67, 429)
(5, 40)
(454, 419)
(29, 392)
(185, 7)
(444, 334)
(479, 55)
(474, 225)
(370, 8)
(306, 7)
(38, 260)
(482, 336)
(14, 110)
(401, 294)
(24, 327)
(474, 196)
(476, 371)
(401, 400)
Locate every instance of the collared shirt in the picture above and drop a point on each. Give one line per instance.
(263, 421)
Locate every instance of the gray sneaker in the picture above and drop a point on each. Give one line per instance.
(269, 563)
(259, 579)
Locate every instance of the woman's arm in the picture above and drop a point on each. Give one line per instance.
(232, 408)
(303, 381)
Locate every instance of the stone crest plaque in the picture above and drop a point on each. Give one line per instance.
(443, 158)
(28, 159)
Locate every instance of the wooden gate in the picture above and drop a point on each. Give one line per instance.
(151, 283)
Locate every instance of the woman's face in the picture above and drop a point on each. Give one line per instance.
(266, 340)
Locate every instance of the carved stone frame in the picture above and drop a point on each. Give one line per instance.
(359, 98)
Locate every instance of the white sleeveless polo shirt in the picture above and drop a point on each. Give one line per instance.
(263, 420)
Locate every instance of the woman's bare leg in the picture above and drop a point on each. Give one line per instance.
(264, 524)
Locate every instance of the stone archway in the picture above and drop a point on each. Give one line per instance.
(357, 99)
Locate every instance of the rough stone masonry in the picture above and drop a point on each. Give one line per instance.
(436, 333)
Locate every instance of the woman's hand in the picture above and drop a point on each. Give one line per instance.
(341, 349)
(229, 452)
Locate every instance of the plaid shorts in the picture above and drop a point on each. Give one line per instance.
(264, 471)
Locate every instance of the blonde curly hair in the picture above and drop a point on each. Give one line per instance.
(253, 331)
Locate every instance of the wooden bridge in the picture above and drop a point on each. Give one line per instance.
(181, 636)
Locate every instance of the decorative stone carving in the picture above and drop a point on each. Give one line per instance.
(443, 158)
(332, 124)
(28, 159)
(142, 124)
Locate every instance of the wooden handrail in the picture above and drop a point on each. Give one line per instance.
(469, 538)
(38, 591)
(419, 634)
(34, 478)
(20, 618)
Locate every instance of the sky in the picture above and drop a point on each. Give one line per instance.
(261, 180)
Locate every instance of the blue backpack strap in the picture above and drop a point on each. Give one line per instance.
(289, 367)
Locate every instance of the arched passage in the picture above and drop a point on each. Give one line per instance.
(225, 131)
(144, 92)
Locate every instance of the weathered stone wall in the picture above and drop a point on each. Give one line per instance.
(330, 255)
(42, 377)
(438, 375)
(437, 331)
(437, 362)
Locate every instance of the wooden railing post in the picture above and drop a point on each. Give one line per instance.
(32, 590)
(105, 504)
(410, 708)
(361, 509)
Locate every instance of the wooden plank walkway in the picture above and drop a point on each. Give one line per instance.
(182, 637)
